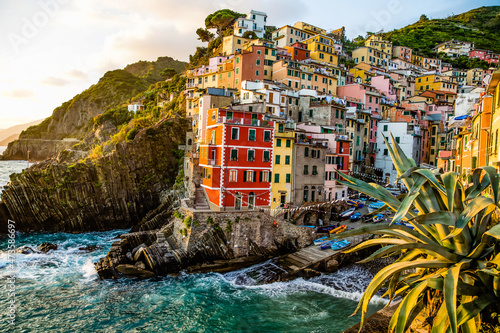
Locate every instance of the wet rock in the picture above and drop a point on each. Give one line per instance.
(137, 248)
(89, 248)
(129, 256)
(311, 272)
(46, 247)
(140, 264)
(26, 250)
(332, 266)
(138, 254)
(131, 270)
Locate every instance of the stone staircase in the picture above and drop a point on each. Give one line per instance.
(200, 200)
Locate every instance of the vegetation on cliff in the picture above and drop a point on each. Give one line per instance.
(480, 25)
(448, 266)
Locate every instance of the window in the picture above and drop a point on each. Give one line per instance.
(276, 178)
(386, 152)
(277, 159)
(258, 62)
(315, 170)
(310, 113)
(287, 159)
(251, 155)
(306, 152)
(288, 178)
(251, 135)
(278, 142)
(267, 136)
(256, 73)
(233, 176)
(306, 169)
(397, 139)
(249, 176)
(280, 128)
(235, 133)
(266, 156)
(306, 193)
(264, 176)
(288, 143)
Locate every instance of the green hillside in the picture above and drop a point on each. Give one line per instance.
(481, 26)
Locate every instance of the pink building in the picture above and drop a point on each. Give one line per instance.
(385, 84)
(485, 55)
(401, 52)
(368, 95)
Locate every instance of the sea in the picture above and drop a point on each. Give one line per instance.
(61, 292)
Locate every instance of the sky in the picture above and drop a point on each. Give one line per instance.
(51, 50)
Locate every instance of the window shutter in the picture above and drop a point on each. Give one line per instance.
(254, 176)
(260, 177)
(270, 177)
(244, 176)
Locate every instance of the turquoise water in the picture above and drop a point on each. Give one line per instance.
(60, 292)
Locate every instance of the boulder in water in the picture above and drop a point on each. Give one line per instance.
(131, 270)
(26, 250)
(46, 247)
(140, 264)
(89, 248)
(332, 266)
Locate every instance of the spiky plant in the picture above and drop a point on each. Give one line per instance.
(451, 259)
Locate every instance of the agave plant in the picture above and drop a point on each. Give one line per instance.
(452, 253)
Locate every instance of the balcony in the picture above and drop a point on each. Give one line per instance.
(342, 138)
(248, 122)
(242, 25)
(214, 162)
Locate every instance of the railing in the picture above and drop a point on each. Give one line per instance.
(242, 25)
(244, 121)
(214, 162)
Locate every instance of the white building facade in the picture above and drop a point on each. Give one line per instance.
(255, 21)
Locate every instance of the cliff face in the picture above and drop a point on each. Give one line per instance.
(114, 191)
(73, 119)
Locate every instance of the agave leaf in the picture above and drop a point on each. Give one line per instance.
(450, 184)
(473, 208)
(492, 174)
(376, 241)
(467, 311)
(433, 250)
(442, 217)
(386, 272)
(441, 320)
(450, 293)
(400, 317)
(432, 178)
(408, 201)
(470, 326)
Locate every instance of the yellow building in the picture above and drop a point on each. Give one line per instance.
(435, 82)
(377, 43)
(232, 43)
(417, 60)
(283, 161)
(363, 71)
(494, 89)
(269, 55)
(371, 56)
(309, 28)
(322, 49)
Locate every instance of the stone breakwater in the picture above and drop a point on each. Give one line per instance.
(111, 192)
(200, 242)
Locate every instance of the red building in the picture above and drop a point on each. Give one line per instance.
(298, 51)
(485, 55)
(236, 159)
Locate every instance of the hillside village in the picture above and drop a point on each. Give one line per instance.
(274, 118)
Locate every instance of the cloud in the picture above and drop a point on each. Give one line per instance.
(77, 74)
(54, 81)
(19, 93)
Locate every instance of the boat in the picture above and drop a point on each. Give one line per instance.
(307, 226)
(328, 244)
(325, 229)
(343, 227)
(320, 240)
(340, 245)
(360, 205)
(347, 213)
(355, 216)
(375, 206)
(377, 218)
(405, 224)
(352, 202)
(367, 218)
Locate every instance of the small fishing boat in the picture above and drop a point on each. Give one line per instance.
(355, 216)
(342, 228)
(340, 245)
(307, 226)
(325, 229)
(345, 215)
(320, 240)
(327, 245)
(377, 218)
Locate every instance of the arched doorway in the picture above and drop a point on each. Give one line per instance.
(251, 201)
(313, 193)
(237, 202)
(306, 193)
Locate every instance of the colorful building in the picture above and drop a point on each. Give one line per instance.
(283, 167)
(236, 156)
(322, 49)
(435, 82)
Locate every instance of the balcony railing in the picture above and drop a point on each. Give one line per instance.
(244, 121)
(213, 162)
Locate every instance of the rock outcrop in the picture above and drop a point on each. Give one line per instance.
(114, 191)
(201, 242)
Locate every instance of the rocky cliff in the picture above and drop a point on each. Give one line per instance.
(113, 191)
(73, 119)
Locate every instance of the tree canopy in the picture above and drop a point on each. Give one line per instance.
(221, 20)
